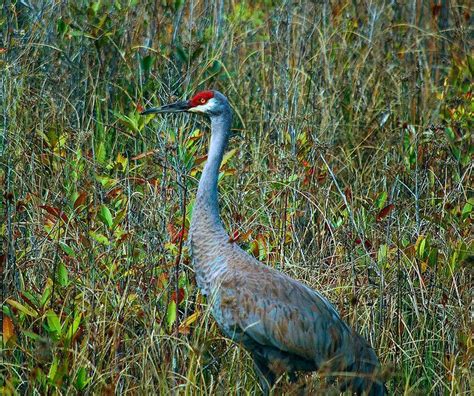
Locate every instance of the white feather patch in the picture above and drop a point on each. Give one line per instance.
(204, 108)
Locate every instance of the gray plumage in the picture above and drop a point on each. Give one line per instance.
(285, 325)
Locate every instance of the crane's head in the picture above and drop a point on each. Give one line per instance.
(210, 103)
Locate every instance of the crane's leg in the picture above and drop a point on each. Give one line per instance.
(265, 376)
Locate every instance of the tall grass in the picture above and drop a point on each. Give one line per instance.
(350, 169)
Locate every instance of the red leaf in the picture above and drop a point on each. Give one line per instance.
(384, 212)
(171, 230)
(435, 10)
(245, 236)
(348, 193)
(80, 200)
(124, 237)
(367, 243)
(20, 206)
(200, 160)
(322, 177)
(234, 237)
(181, 234)
(154, 182)
(58, 213)
(175, 234)
(114, 193)
(139, 180)
(144, 155)
(180, 296)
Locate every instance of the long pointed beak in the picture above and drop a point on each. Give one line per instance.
(177, 107)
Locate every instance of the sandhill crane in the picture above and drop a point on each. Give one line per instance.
(285, 325)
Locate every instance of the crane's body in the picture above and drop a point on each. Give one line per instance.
(285, 325)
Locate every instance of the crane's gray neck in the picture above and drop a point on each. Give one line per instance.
(208, 238)
(206, 201)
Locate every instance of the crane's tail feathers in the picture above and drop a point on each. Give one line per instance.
(366, 372)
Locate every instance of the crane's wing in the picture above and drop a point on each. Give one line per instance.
(256, 304)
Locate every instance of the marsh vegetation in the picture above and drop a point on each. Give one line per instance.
(350, 169)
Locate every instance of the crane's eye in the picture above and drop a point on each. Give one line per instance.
(203, 100)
